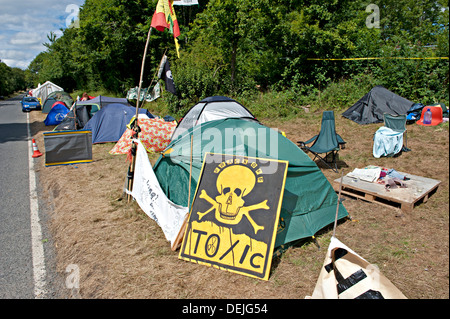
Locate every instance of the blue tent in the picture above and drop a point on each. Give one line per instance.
(110, 122)
(56, 114)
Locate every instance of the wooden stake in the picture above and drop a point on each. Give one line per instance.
(190, 174)
(338, 203)
(177, 242)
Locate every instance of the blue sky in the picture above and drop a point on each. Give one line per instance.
(25, 24)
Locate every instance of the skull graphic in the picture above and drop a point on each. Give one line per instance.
(233, 183)
(232, 190)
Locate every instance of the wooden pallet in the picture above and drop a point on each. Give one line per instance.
(417, 191)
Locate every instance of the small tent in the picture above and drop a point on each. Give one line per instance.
(370, 108)
(309, 201)
(110, 122)
(82, 111)
(154, 134)
(56, 114)
(77, 117)
(102, 101)
(209, 109)
(55, 97)
(42, 91)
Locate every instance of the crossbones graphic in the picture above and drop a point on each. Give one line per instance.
(233, 183)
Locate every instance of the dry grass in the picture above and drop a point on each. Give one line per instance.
(122, 253)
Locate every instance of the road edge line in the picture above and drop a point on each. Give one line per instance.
(37, 247)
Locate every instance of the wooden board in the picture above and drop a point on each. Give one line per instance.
(418, 190)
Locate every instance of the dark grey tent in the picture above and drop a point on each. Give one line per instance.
(370, 108)
(101, 101)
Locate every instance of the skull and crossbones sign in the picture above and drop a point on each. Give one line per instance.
(233, 183)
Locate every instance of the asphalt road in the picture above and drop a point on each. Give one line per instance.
(16, 259)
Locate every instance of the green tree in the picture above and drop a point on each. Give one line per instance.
(233, 47)
(11, 79)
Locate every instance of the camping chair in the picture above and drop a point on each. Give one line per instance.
(326, 142)
(398, 124)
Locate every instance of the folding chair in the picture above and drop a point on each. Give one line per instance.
(327, 142)
(397, 123)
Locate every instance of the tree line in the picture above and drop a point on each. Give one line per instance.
(11, 79)
(293, 51)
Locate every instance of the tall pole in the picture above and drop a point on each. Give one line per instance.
(142, 71)
(136, 126)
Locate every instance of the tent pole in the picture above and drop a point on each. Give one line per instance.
(339, 201)
(190, 175)
(135, 128)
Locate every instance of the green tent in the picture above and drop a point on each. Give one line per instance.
(309, 200)
(55, 97)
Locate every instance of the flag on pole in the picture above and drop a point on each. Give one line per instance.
(165, 74)
(165, 18)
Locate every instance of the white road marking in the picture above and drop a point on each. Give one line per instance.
(37, 247)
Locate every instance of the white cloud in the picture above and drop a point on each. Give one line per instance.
(14, 54)
(26, 38)
(25, 24)
(14, 63)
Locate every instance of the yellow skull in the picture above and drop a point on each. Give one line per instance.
(233, 183)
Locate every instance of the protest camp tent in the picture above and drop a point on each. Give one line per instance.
(77, 117)
(110, 122)
(56, 114)
(102, 101)
(82, 111)
(154, 134)
(42, 91)
(371, 107)
(209, 109)
(309, 201)
(55, 97)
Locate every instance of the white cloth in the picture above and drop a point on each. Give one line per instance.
(387, 142)
(185, 2)
(151, 198)
(366, 174)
